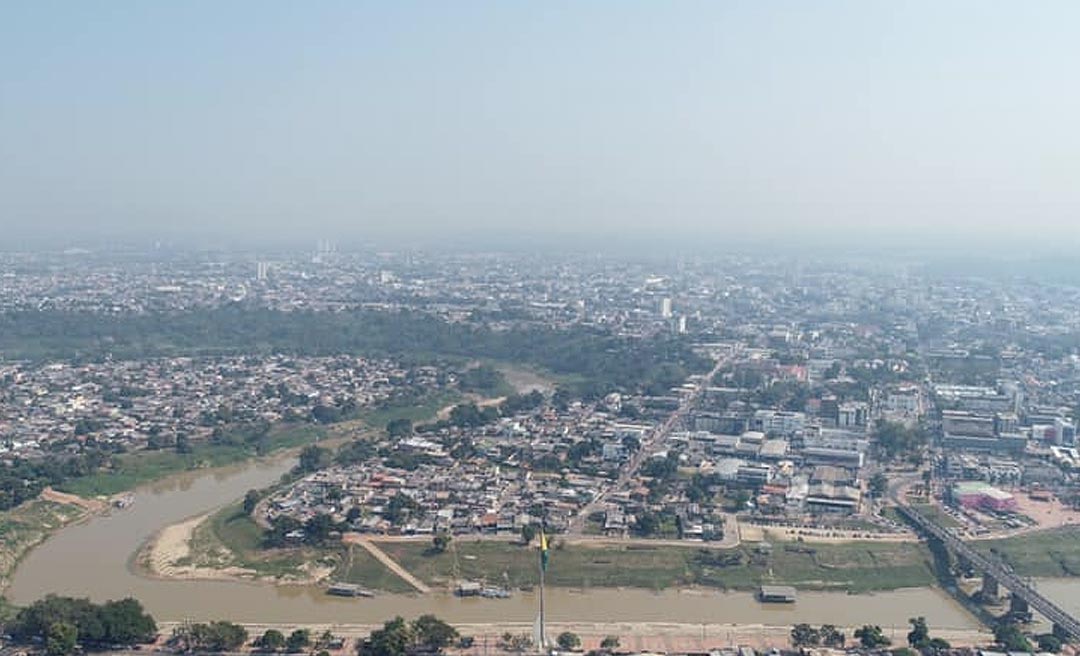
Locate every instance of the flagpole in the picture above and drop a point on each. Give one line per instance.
(543, 567)
(543, 637)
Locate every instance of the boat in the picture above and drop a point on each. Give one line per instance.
(348, 590)
(491, 592)
(776, 594)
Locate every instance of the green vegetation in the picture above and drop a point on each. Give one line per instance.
(1050, 553)
(804, 635)
(208, 637)
(63, 622)
(230, 538)
(568, 641)
(426, 634)
(485, 380)
(895, 441)
(360, 567)
(1011, 637)
(132, 469)
(934, 513)
(856, 566)
(417, 410)
(872, 637)
(604, 362)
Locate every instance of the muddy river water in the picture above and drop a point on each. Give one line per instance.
(94, 559)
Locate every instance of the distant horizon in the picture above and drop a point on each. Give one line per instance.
(867, 125)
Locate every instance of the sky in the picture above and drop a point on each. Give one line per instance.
(708, 122)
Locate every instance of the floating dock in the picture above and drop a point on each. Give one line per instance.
(776, 594)
(348, 590)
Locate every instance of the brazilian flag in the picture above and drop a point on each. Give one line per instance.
(543, 550)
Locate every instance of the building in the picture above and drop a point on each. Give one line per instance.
(982, 496)
(755, 474)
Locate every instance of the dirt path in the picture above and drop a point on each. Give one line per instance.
(386, 560)
(90, 505)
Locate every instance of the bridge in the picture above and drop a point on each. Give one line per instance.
(995, 572)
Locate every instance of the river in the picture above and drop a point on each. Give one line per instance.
(93, 559)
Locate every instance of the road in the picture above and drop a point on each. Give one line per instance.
(629, 471)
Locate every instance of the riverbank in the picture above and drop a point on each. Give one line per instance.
(192, 550)
(28, 525)
(227, 544)
(135, 469)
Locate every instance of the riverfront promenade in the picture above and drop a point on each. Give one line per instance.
(653, 637)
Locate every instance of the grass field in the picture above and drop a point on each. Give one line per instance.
(1049, 553)
(425, 410)
(856, 567)
(24, 527)
(360, 567)
(935, 514)
(145, 466)
(230, 538)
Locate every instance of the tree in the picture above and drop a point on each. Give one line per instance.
(122, 621)
(212, 637)
(919, 636)
(832, 636)
(609, 643)
(1049, 642)
(879, 484)
(433, 634)
(528, 534)
(441, 541)
(937, 645)
(251, 499)
(647, 524)
(871, 637)
(298, 641)
(804, 635)
(399, 427)
(517, 643)
(271, 640)
(61, 639)
(313, 458)
(568, 641)
(324, 640)
(895, 440)
(317, 528)
(1009, 636)
(391, 640)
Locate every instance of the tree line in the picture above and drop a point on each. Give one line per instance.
(601, 361)
(62, 623)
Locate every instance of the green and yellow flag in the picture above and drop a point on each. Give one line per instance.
(543, 550)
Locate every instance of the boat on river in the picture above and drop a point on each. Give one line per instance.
(348, 590)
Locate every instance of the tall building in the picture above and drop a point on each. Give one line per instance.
(665, 307)
(262, 270)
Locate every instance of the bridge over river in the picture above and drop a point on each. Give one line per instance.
(997, 573)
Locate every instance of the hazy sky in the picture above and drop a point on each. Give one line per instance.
(348, 119)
